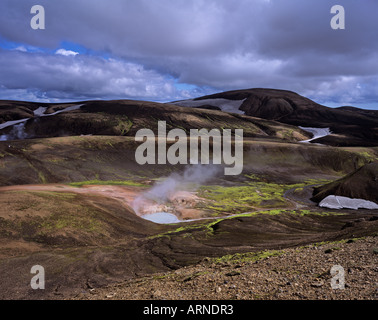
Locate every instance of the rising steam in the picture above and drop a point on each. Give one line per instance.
(192, 177)
(17, 132)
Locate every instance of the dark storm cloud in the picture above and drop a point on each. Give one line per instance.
(218, 44)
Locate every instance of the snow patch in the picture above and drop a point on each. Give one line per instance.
(40, 112)
(65, 110)
(12, 123)
(317, 133)
(340, 202)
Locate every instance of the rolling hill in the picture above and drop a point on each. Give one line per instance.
(350, 126)
(126, 117)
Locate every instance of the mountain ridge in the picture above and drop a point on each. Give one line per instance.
(126, 117)
(350, 126)
(265, 110)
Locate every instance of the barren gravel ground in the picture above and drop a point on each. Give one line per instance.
(291, 274)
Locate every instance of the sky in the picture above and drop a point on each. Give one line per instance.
(167, 50)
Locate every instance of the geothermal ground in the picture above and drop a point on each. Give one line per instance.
(91, 234)
(74, 200)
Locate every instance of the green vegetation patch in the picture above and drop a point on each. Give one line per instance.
(246, 257)
(123, 125)
(108, 182)
(78, 218)
(65, 196)
(253, 195)
(241, 199)
(36, 214)
(370, 154)
(185, 229)
(208, 227)
(299, 212)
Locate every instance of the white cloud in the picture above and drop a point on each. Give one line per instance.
(21, 48)
(57, 76)
(66, 53)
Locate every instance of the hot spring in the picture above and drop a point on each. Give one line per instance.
(174, 199)
(161, 217)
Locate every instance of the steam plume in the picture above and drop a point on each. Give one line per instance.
(192, 177)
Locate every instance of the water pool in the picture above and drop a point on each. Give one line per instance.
(161, 217)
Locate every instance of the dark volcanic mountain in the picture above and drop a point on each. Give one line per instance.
(350, 126)
(269, 113)
(126, 117)
(361, 184)
(364, 112)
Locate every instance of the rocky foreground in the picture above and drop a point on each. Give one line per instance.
(301, 273)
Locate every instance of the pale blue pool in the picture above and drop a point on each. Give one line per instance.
(161, 217)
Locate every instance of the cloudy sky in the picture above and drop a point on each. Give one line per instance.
(165, 50)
